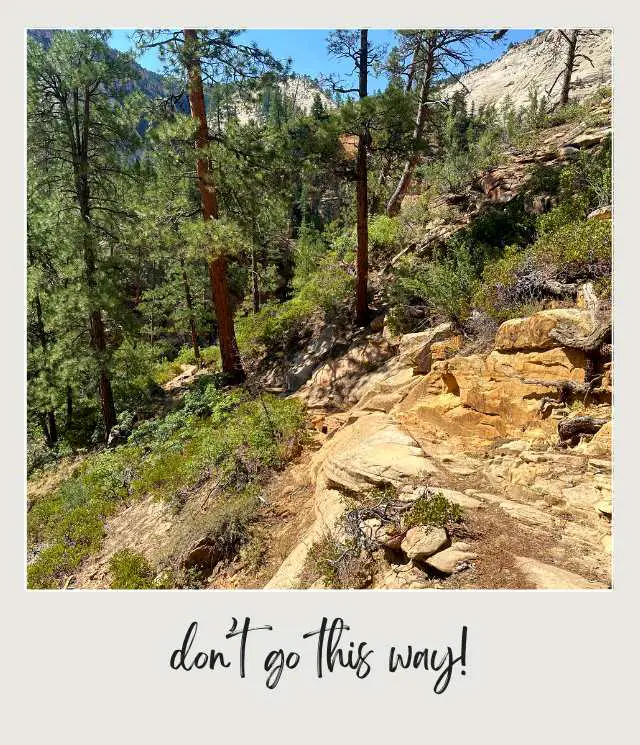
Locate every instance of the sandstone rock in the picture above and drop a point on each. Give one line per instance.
(527, 514)
(515, 446)
(373, 451)
(462, 500)
(533, 332)
(415, 348)
(549, 577)
(332, 384)
(440, 350)
(453, 559)
(603, 507)
(402, 577)
(551, 364)
(307, 360)
(600, 445)
(582, 495)
(422, 541)
(567, 152)
(589, 139)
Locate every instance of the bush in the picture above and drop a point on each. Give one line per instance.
(433, 510)
(327, 562)
(277, 325)
(567, 251)
(130, 571)
(215, 432)
(445, 287)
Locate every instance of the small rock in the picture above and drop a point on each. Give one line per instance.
(567, 152)
(462, 500)
(421, 542)
(515, 446)
(377, 324)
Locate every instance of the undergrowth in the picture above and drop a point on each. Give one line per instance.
(228, 437)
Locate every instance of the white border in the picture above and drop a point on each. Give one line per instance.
(93, 667)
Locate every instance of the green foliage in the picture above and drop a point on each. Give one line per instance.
(130, 571)
(435, 511)
(227, 434)
(320, 294)
(444, 286)
(567, 250)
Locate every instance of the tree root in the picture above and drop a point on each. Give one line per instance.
(571, 430)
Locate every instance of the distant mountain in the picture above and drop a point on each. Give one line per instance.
(298, 90)
(538, 61)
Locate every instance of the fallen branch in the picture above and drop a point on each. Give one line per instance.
(567, 388)
(589, 344)
(570, 430)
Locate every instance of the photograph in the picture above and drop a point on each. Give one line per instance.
(318, 309)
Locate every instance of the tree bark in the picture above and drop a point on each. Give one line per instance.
(192, 319)
(569, 430)
(395, 202)
(362, 258)
(69, 397)
(568, 70)
(231, 361)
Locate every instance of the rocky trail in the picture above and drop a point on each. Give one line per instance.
(535, 514)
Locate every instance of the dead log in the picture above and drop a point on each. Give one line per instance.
(567, 388)
(570, 430)
(589, 344)
(592, 344)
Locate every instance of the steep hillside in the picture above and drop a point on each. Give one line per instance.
(538, 62)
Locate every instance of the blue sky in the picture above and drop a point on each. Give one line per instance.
(308, 49)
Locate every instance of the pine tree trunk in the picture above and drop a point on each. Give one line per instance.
(49, 427)
(96, 330)
(395, 202)
(78, 125)
(231, 362)
(192, 319)
(568, 70)
(362, 259)
(53, 429)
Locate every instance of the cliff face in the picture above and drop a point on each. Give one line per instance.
(538, 62)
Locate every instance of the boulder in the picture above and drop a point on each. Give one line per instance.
(533, 332)
(388, 456)
(453, 559)
(332, 384)
(402, 577)
(414, 348)
(423, 541)
(600, 445)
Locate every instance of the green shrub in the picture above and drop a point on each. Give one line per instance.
(446, 287)
(130, 571)
(436, 511)
(227, 435)
(276, 325)
(566, 250)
